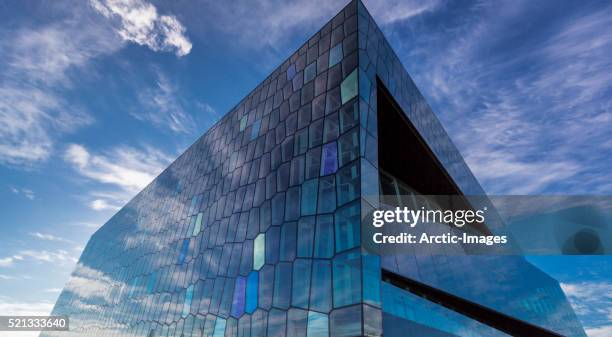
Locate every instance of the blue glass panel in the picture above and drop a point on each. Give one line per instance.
(320, 297)
(187, 303)
(306, 228)
(243, 122)
(259, 251)
(251, 292)
(347, 183)
(347, 227)
(348, 146)
(291, 72)
(301, 283)
(292, 204)
(318, 325)
(329, 159)
(324, 236)
(183, 251)
(255, 129)
(151, 282)
(335, 55)
(371, 279)
(347, 278)
(288, 241)
(309, 196)
(282, 285)
(327, 194)
(346, 322)
(238, 301)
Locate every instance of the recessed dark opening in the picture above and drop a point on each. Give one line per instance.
(403, 153)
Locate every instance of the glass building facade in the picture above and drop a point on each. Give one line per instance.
(256, 229)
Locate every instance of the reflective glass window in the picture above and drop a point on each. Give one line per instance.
(219, 327)
(313, 163)
(188, 299)
(288, 241)
(335, 55)
(348, 87)
(320, 297)
(348, 146)
(292, 207)
(306, 227)
(252, 289)
(309, 197)
(346, 322)
(324, 236)
(331, 129)
(243, 122)
(327, 194)
(255, 128)
(347, 278)
(282, 285)
(347, 227)
(259, 251)
(301, 283)
(349, 116)
(238, 301)
(329, 159)
(183, 251)
(291, 72)
(198, 224)
(347, 183)
(317, 325)
(310, 72)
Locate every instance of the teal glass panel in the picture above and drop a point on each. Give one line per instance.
(320, 297)
(251, 292)
(347, 183)
(306, 228)
(347, 227)
(371, 279)
(335, 55)
(188, 300)
(327, 194)
(309, 197)
(282, 285)
(324, 236)
(318, 325)
(259, 251)
(301, 283)
(347, 279)
(310, 72)
(219, 327)
(151, 282)
(348, 87)
(198, 224)
(243, 122)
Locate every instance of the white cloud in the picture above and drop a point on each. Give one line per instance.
(138, 21)
(25, 308)
(53, 290)
(48, 237)
(388, 12)
(602, 331)
(58, 256)
(27, 193)
(126, 168)
(592, 303)
(161, 106)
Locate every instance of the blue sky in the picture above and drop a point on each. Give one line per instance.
(97, 97)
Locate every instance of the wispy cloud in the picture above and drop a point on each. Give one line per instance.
(126, 169)
(58, 256)
(48, 237)
(389, 12)
(530, 110)
(592, 302)
(25, 308)
(26, 192)
(161, 106)
(138, 21)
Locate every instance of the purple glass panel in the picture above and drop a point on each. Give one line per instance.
(239, 294)
(329, 159)
(291, 72)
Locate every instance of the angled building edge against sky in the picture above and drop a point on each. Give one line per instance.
(255, 229)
